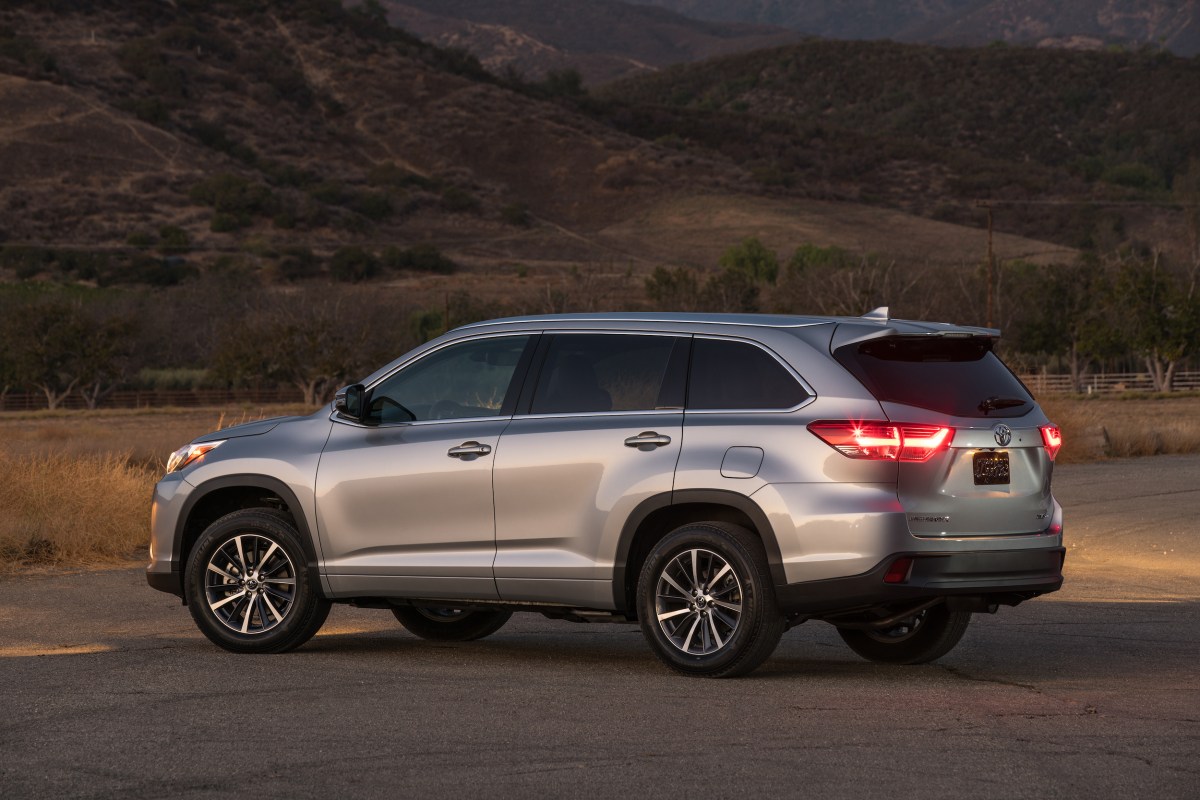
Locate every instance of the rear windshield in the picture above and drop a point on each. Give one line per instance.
(960, 377)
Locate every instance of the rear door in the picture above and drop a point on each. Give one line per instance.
(986, 470)
(600, 433)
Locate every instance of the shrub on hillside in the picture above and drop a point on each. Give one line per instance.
(460, 201)
(420, 258)
(352, 264)
(235, 199)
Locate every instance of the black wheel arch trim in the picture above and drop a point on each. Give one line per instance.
(720, 497)
(203, 490)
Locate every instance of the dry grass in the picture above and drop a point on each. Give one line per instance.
(58, 509)
(75, 486)
(1095, 429)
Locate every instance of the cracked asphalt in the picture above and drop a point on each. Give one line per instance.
(107, 690)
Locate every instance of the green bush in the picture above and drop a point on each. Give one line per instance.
(420, 258)
(753, 259)
(374, 206)
(298, 263)
(353, 264)
(174, 239)
(1134, 176)
(516, 214)
(233, 196)
(460, 201)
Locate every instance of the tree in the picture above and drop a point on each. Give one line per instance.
(1070, 314)
(673, 289)
(752, 258)
(1160, 314)
(310, 344)
(104, 357)
(731, 291)
(44, 341)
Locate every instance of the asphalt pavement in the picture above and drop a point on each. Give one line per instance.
(108, 690)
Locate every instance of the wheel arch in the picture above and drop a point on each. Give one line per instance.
(214, 498)
(655, 517)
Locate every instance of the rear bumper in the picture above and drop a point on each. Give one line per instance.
(1003, 576)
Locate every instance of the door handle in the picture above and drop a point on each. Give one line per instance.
(648, 440)
(467, 449)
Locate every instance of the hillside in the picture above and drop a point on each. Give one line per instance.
(933, 130)
(286, 139)
(297, 123)
(1077, 24)
(602, 39)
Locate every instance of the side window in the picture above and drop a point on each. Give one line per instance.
(471, 379)
(589, 373)
(736, 375)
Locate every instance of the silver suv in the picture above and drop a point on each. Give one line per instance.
(715, 478)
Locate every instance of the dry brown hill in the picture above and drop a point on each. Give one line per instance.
(262, 131)
(602, 39)
(1074, 24)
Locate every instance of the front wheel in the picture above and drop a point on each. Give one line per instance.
(443, 624)
(919, 639)
(706, 603)
(247, 585)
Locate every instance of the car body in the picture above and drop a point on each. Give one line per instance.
(878, 469)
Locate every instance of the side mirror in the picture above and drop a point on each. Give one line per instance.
(349, 401)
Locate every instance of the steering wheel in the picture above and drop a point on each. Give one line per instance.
(444, 409)
(390, 402)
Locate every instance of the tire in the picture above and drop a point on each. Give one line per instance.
(732, 626)
(283, 612)
(923, 638)
(450, 624)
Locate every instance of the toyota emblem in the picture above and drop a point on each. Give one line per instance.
(1003, 434)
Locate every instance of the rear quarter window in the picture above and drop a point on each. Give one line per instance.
(960, 377)
(739, 376)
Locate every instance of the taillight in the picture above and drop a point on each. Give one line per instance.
(882, 441)
(1052, 437)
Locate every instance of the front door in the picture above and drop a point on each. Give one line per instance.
(404, 500)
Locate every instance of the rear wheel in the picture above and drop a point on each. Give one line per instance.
(247, 584)
(444, 624)
(706, 602)
(919, 639)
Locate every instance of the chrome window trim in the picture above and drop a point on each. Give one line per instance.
(333, 414)
(660, 412)
(812, 394)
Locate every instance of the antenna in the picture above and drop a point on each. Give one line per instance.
(878, 315)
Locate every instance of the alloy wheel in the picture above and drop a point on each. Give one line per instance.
(250, 584)
(698, 602)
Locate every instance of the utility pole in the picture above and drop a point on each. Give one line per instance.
(991, 261)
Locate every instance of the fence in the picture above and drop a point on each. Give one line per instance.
(152, 398)
(1107, 383)
(1102, 383)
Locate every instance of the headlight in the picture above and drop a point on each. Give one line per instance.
(189, 453)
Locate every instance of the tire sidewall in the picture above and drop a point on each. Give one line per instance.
(284, 636)
(755, 597)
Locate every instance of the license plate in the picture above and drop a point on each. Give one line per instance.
(991, 469)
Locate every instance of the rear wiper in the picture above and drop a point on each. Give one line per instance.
(993, 403)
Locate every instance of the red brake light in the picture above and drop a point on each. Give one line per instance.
(882, 441)
(1052, 436)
